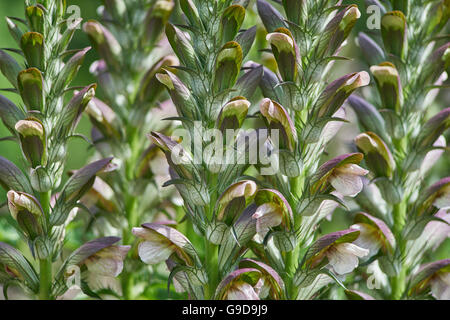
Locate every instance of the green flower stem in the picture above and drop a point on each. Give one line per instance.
(212, 269)
(45, 278)
(398, 283)
(45, 265)
(127, 277)
(44, 199)
(291, 261)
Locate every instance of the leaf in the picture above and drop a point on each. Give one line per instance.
(247, 84)
(9, 67)
(12, 178)
(246, 39)
(181, 46)
(69, 70)
(244, 229)
(13, 258)
(30, 83)
(270, 16)
(71, 113)
(32, 45)
(10, 113)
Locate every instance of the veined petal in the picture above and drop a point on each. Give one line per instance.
(155, 248)
(443, 200)
(367, 238)
(433, 156)
(108, 262)
(242, 291)
(267, 215)
(154, 252)
(351, 168)
(343, 257)
(332, 127)
(347, 184)
(440, 286)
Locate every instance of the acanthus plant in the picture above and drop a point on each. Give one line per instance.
(406, 216)
(40, 209)
(211, 97)
(129, 42)
(258, 230)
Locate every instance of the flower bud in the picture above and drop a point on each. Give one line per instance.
(433, 129)
(285, 53)
(389, 85)
(377, 155)
(33, 141)
(30, 83)
(231, 22)
(337, 31)
(438, 17)
(338, 91)
(40, 180)
(21, 201)
(234, 199)
(180, 94)
(233, 114)
(239, 285)
(35, 17)
(394, 33)
(150, 87)
(155, 20)
(279, 118)
(105, 43)
(32, 45)
(228, 66)
(116, 8)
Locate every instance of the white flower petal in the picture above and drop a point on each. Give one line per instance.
(433, 156)
(242, 291)
(152, 252)
(367, 239)
(343, 257)
(332, 127)
(440, 286)
(443, 201)
(347, 184)
(108, 262)
(342, 263)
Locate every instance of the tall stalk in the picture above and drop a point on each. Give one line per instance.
(402, 142)
(128, 43)
(42, 125)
